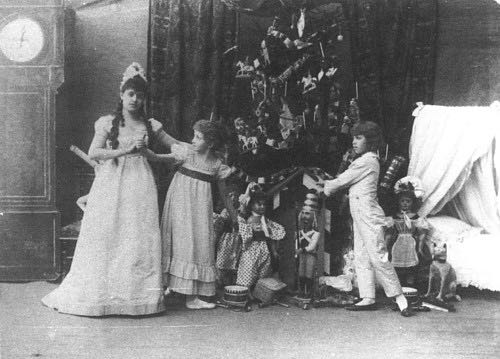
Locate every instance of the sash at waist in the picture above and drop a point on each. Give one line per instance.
(134, 154)
(259, 236)
(196, 175)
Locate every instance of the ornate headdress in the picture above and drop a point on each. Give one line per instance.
(132, 71)
(311, 205)
(410, 185)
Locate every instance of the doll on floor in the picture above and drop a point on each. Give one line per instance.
(406, 231)
(227, 240)
(308, 237)
(259, 237)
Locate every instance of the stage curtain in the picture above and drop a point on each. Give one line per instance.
(269, 8)
(185, 66)
(393, 44)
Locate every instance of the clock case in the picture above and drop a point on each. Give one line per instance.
(29, 220)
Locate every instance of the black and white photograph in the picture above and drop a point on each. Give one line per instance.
(283, 179)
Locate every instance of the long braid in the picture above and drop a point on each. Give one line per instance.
(117, 121)
(149, 128)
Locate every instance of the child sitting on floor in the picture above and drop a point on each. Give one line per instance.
(259, 237)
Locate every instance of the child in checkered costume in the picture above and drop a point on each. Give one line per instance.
(259, 236)
(228, 241)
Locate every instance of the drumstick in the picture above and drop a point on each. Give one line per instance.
(283, 304)
(219, 304)
(82, 155)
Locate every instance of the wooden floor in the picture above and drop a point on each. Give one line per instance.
(30, 330)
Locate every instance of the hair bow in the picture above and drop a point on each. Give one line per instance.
(132, 71)
(410, 184)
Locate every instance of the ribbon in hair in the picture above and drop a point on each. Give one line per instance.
(410, 184)
(132, 71)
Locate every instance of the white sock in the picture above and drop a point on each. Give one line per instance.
(366, 301)
(401, 302)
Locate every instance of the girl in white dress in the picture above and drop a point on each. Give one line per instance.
(116, 268)
(187, 223)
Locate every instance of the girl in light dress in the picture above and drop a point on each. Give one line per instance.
(187, 223)
(116, 268)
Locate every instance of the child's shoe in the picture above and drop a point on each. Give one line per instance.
(197, 303)
(407, 312)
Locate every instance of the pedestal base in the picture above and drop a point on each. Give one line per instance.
(29, 245)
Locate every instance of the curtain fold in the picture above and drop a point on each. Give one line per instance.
(186, 63)
(477, 202)
(393, 46)
(452, 151)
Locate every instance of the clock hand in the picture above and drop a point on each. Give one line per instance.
(21, 40)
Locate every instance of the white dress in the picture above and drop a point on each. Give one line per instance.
(116, 268)
(187, 225)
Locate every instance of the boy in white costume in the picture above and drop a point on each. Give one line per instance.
(370, 251)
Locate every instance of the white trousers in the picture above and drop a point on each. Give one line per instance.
(371, 257)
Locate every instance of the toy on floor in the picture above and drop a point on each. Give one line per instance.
(442, 277)
(414, 300)
(235, 297)
(337, 299)
(306, 251)
(269, 291)
(260, 237)
(228, 241)
(406, 232)
(433, 303)
(307, 245)
(334, 291)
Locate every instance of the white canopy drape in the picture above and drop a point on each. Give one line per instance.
(453, 150)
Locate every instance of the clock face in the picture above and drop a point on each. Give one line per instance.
(21, 39)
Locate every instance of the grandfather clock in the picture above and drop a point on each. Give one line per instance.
(31, 70)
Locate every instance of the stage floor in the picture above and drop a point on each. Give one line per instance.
(30, 330)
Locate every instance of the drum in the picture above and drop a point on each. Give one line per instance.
(235, 294)
(411, 295)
